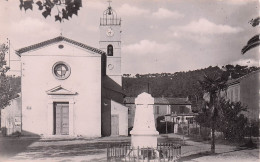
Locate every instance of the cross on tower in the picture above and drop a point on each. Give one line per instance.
(109, 7)
(109, 1)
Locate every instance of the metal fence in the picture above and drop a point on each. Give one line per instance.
(110, 21)
(164, 152)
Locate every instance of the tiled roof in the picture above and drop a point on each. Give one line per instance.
(235, 81)
(129, 100)
(162, 101)
(55, 40)
(182, 114)
(171, 101)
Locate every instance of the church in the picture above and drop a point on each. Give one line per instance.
(70, 88)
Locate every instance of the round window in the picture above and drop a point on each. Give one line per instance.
(61, 70)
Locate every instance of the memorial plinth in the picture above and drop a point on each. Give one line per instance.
(144, 133)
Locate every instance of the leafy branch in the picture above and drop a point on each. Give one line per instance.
(66, 8)
(5, 92)
(3, 68)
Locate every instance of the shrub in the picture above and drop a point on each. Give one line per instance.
(228, 119)
(231, 121)
(4, 131)
(161, 127)
(194, 131)
(205, 133)
(16, 134)
(252, 129)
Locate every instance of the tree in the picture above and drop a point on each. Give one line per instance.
(237, 71)
(3, 50)
(232, 121)
(212, 87)
(180, 84)
(66, 8)
(6, 93)
(254, 41)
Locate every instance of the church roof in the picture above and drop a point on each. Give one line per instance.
(55, 40)
(110, 84)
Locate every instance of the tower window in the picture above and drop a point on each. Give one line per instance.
(110, 50)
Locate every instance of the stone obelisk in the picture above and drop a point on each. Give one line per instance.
(144, 133)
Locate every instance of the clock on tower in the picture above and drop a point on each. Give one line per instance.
(110, 32)
(110, 42)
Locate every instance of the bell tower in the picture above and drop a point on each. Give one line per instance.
(110, 42)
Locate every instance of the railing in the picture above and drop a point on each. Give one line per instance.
(110, 21)
(164, 152)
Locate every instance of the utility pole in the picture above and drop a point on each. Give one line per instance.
(166, 125)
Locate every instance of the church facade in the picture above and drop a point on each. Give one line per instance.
(69, 88)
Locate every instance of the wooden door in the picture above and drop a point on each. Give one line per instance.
(61, 118)
(114, 125)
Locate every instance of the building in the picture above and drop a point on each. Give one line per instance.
(246, 90)
(163, 106)
(11, 117)
(70, 88)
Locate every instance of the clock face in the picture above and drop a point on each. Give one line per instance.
(110, 32)
(110, 66)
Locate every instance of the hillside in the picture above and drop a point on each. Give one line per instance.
(179, 84)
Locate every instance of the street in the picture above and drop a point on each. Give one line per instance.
(87, 149)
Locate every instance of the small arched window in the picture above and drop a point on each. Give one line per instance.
(110, 50)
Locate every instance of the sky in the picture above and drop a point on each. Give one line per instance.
(158, 36)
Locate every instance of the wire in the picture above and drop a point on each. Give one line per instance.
(15, 70)
(12, 46)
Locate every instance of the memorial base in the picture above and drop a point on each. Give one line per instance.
(144, 140)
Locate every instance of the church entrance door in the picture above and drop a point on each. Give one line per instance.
(61, 118)
(114, 125)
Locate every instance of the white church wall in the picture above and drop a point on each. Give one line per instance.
(85, 79)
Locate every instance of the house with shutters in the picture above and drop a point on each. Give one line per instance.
(246, 90)
(179, 109)
(70, 88)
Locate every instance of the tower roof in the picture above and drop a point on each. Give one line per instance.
(110, 17)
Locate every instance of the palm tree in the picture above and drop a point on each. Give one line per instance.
(212, 87)
(254, 41)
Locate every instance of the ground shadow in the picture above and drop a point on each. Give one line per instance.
(68, 150)
(172, 140)
(12, 145)
(194, 156)
(207, 153)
